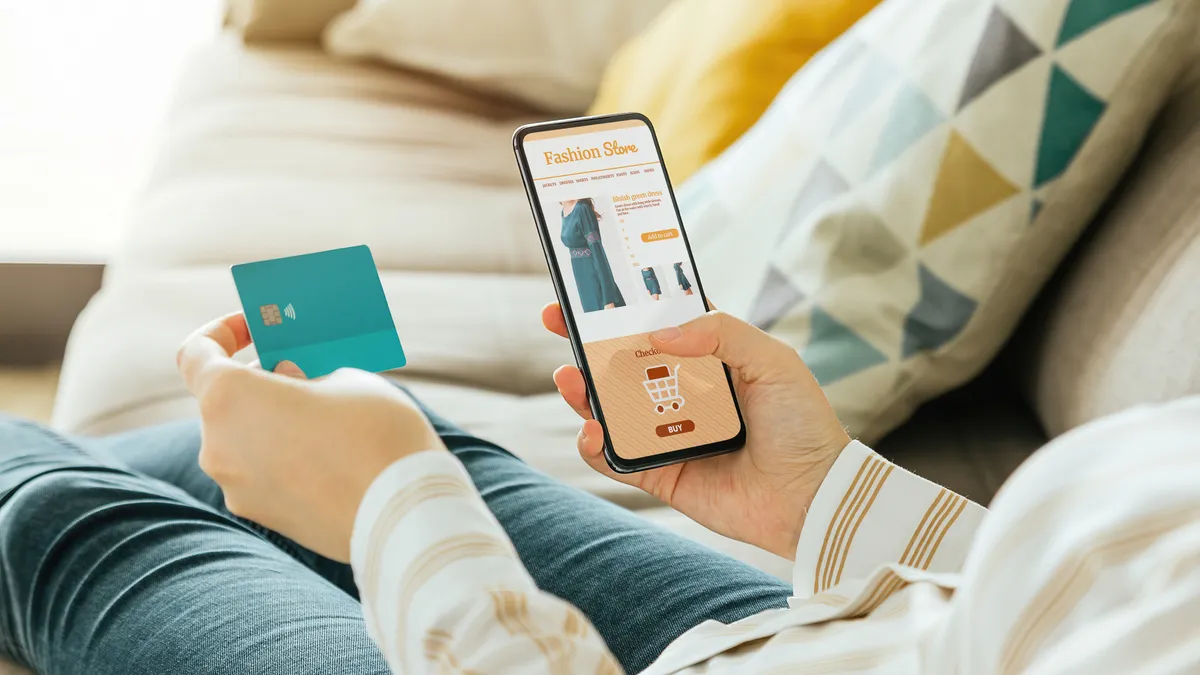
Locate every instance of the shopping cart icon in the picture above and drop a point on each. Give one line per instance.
(663, 387)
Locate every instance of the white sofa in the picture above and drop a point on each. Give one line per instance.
(277, 150)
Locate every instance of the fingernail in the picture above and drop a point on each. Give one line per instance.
(667, 334)
(288, 368)
(582, 434)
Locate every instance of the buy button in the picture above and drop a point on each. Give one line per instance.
(675, 428)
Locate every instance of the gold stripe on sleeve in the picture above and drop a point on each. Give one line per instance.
(434, 560)
(931, 531)
(921, 526)
(833, 523)
(512, 611)
(923, 554)
(438, 651)
(928, 560)
(574, 624)
(607, 667)
(861, 517)
(397, 507)
(1074, 576)
(839, 536)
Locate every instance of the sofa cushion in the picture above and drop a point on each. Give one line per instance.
(1121, 324)
(548, 53)
(705, 70)
(283, 20)
(271, 152)
(910, 190)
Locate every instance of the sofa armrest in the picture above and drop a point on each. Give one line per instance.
(266, 21)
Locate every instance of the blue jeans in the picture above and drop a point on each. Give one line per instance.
(117, 557)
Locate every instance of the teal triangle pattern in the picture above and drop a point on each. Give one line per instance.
(876, 74)
(834, 351)
(1071, 112)
(939, 315)
(1034, 209)
(1084, 15)
(913, 116)
(776, 298)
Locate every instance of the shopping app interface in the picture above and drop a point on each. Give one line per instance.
(625, 266)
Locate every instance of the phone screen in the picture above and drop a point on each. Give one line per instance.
(626, 270)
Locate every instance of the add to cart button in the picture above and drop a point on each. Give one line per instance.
(659, 235)
(675, 428)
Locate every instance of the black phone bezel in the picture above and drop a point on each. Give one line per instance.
(615, 461)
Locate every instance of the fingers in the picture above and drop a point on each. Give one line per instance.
(591, 448)
(552, 319)
(591, 445)
(735, 342)
(210, 349)
(571, 385)
(289, 369)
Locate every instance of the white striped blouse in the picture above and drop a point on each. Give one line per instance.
(1090, 562)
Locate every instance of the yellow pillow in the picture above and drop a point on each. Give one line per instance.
(705, 70)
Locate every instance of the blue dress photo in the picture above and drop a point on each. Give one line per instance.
(589, 264)
(651, 280)
(681, 277)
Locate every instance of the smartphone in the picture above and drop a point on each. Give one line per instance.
(622, 267)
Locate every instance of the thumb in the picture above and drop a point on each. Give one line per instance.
(755, 354)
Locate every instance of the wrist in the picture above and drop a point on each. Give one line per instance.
(808, 483)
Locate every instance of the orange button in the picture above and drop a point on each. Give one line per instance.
(659, 235)
(675, 428)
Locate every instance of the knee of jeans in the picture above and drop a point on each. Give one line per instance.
(44, 503)
(18, 433)
(39, 495)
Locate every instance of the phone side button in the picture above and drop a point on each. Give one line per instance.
(675, 428)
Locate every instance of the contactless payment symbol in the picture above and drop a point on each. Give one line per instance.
(663, 387)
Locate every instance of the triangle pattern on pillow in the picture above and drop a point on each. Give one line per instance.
(966, 186)
(1084, 15)
(776, 297)
(823, 183)
(939, 315)
(1002, 49)
(913, 115)
(872, 81)
(834, 351)
(1071, 112)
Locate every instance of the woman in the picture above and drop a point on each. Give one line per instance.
(651, 281)
(682, 279)
(589, 264)
(120, 557)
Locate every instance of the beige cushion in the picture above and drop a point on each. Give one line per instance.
(263, 21)
(550, 53)
(901, 203)
(1121, 325)
(278, 151)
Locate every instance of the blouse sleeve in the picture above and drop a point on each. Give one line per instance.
(443, 589)
(869, 512)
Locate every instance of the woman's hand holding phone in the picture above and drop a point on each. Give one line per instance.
(761, 494)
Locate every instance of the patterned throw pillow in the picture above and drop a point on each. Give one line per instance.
(909, 191)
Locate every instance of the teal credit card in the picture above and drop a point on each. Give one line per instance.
(321, 311)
